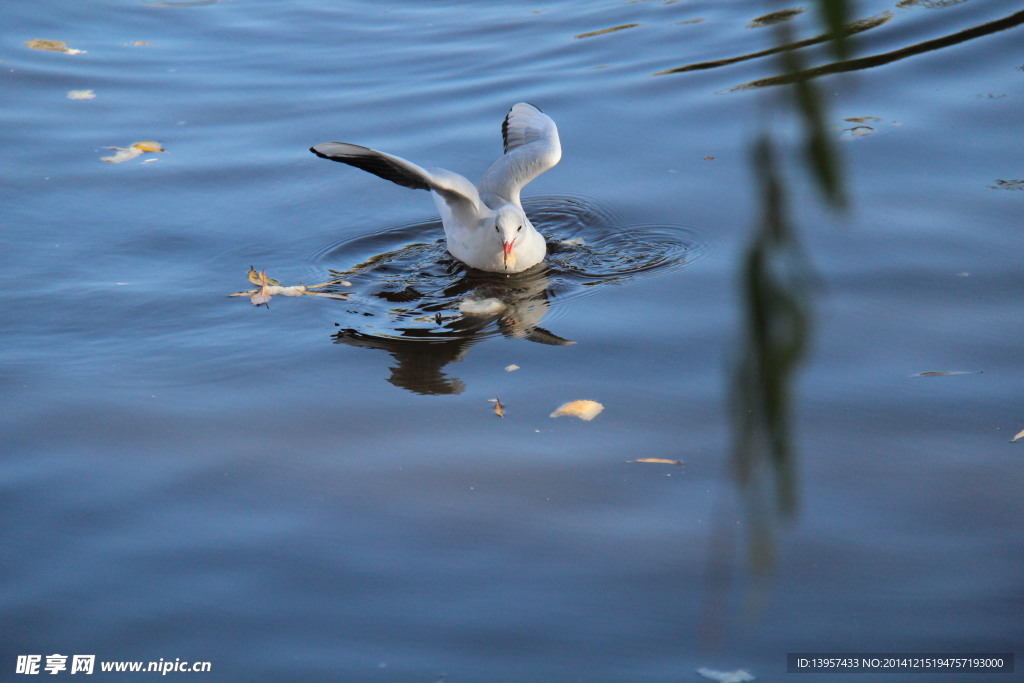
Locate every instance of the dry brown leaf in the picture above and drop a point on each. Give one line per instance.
(584, 409)
(52, 46)
(1020, 435)
(662, 461)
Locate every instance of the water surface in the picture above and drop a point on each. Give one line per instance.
(188, 476)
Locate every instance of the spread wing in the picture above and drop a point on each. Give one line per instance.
(531, 147)
(458, 193)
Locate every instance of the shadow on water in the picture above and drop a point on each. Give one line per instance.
(413, 300)
(472, 307)
(775, 279)
(776, 332)
(838, 34)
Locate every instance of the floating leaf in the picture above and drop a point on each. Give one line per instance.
(583, 409)
(52, 46)
(268, 288)
(859, 131)
(948, 372)
(774, 17)
(1015, 184)
(511, 368)
(738, 676)
(136, 149)
(261, 278)
(661, 461)
(1019, 436)
(613, 29)
(499, 409)
(81, 95)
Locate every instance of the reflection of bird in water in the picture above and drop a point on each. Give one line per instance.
(485, 226)
(515, 305)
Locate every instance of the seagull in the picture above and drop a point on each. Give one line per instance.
(485, 226)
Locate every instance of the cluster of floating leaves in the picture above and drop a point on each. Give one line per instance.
(121, 154)
(584, 409)
(268, 287)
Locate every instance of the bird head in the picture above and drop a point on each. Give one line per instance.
(508, 225)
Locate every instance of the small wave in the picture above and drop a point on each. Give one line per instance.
(407, 286)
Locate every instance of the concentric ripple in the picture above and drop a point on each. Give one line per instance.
(406, 286)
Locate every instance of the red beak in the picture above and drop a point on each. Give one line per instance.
(508, 251)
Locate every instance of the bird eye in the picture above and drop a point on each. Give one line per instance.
(497, 229)
(519, 228)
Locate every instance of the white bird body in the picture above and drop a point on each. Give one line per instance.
(485, 226)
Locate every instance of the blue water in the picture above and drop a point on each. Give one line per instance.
(185, 475)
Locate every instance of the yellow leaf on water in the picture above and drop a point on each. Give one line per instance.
(148, 146)
(584, 409)
(511, 368)
(136, 149)
(261, 278)
(662, 461)
(52, 46)
(81, 95)
(499, 409)
(1020, 435)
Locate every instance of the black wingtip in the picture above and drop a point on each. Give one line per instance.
(320, 154)
(504, 124)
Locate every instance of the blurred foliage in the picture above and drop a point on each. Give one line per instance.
(777, 320)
